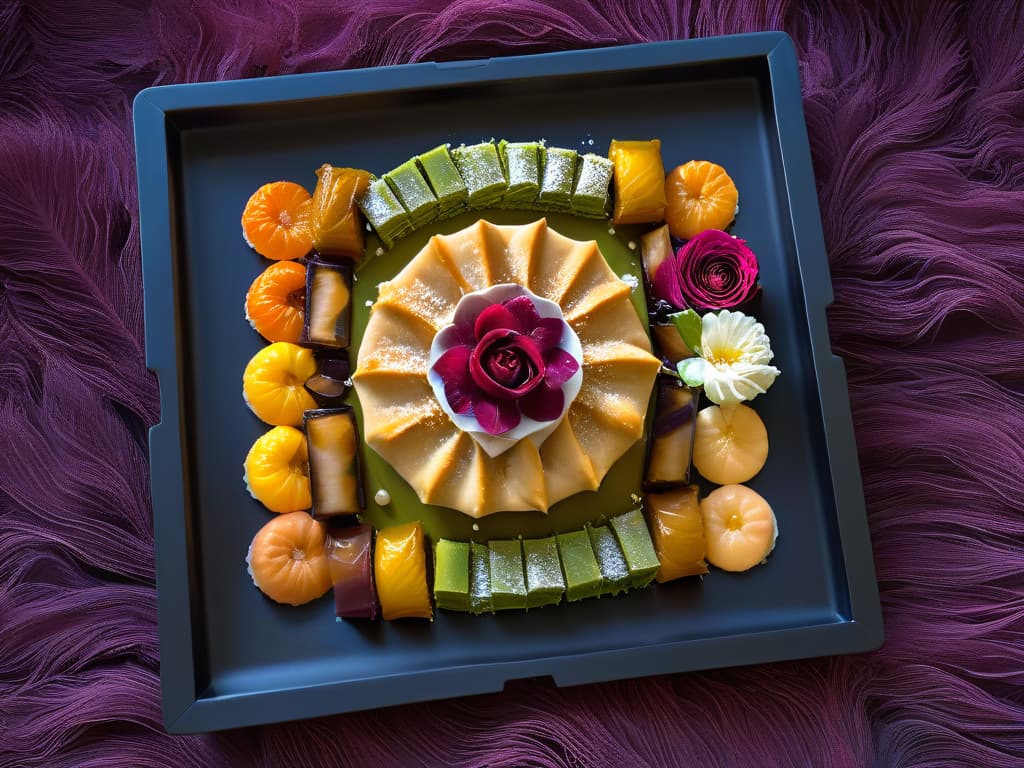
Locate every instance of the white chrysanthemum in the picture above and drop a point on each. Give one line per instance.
(734, 356)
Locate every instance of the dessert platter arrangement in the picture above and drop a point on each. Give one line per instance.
(503, 369)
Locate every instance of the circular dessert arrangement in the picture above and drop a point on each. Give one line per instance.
(503, 372)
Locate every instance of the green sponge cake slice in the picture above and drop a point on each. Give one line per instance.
(385, 213)
(508, 581)
(451, 575)
(480, 168)
(610, 559)
(521, 161)
(414, 193)
(579, 566)
(479, 578)
(545, 584)
(558, 179)
(590, 197)
(444, 179)
(637, 547)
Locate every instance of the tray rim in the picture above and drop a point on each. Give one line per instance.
(186, 709)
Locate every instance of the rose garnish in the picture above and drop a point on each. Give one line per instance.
(502, 362)
(712, 271)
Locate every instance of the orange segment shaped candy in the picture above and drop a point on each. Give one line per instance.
(677, 530)
(277, 470)
(288, 559)
(400, 571)
(639, 178)
(699, 195)
(739, 527)
(276, 221)
(338, 226)
(275, 305)
(272, 384)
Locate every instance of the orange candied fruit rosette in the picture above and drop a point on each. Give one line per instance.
(275, 305)
(288, 559)
(699, 195)
(277, 470)
(273, 383)
(276, 221)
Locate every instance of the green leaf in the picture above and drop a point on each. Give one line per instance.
(689, 324)
(691, 370)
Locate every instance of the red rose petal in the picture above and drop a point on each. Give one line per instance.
(496, 417)
(524, 311)
(548, 332)
(496, 317)
(559, 367)
(544, 403)
(453, 368)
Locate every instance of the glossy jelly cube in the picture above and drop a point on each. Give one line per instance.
(479, 578)
(635, 540)
(521, 161)
(330, 383)
(508, 581)
(451, 575)
(545, 583)
(671, 443)
(639, 181)
(337, 222)
(350, 558)
(590, 195)
(328, 321)
(480, 168)
(677, 530)
(385, 213)
(614, 571)
(579, 566)
(558, 178)
(400, 572)
(413, 192)
(444, 179)
(334, 473)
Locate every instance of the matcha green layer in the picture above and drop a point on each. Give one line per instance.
(635, 540)
(558, 178)
(590, 196)
(385, 213)
(451, 575)
(521, 161)
(481, 170)
(508, 583)
(413, 192)
(545, 584)
(444, 179)
(579, 566)
(614, 571)
(479, 578)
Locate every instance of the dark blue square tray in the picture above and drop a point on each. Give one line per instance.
(228, 656)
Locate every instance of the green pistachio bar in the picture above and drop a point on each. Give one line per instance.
(385, 213)
(413, 192)
(545, 584)
(479, 578)
(635, 540)
(480, 168)
(579, 566)
(508, 582)
(614, 571)
(590, 197)
(521, 161)
(558, 178)
(451, 575)
(444, 179)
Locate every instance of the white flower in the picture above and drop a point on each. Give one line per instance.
(734, 356)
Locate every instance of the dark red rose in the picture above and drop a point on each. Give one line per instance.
(712, 271)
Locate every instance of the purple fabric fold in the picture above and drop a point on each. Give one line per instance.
(915, 115)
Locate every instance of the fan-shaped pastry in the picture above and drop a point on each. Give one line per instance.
(405, 423)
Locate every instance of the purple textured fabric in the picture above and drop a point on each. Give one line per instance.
(915, 110)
